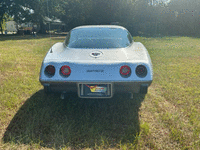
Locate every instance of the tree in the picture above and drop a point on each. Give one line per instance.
(4, 8)
(27, 11)
(12, 8)
(71, 12)
(30, 11)
(79, 12)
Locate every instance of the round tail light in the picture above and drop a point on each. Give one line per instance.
(125, 71)
(65, 71)
(141, 71)
(50, 70)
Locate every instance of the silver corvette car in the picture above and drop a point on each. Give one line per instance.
(97, 62)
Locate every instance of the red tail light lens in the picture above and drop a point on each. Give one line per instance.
(50, 70)
(125, 71)
(141, 71)
(65, 70)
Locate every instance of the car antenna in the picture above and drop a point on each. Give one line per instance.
(49, 24)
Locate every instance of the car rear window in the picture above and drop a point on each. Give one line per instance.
(101, 38)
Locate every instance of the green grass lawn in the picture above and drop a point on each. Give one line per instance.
(168, 117)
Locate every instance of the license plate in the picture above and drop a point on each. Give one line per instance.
(95, 90)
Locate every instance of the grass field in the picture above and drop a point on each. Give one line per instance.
(168, 117)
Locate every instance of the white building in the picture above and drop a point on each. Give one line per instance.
(11, 26)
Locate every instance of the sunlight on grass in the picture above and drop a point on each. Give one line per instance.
(176, 78)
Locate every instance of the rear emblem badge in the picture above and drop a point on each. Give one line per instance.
(96, 54)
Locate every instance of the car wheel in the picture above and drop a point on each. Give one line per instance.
(47, 89)
(143, 89)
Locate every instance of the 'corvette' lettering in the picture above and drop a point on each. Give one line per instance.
(95, 70)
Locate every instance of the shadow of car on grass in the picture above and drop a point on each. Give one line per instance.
(75, 122)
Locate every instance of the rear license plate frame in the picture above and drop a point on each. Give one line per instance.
(95, 90)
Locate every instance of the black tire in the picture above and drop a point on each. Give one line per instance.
(143, 89)
(47, 89)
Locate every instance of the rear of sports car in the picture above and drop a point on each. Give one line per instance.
(96, 80)
(97, 72)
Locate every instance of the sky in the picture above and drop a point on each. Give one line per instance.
(165, 1)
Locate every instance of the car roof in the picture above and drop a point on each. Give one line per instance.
(99, 26)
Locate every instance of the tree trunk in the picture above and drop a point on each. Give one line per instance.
(1, 29)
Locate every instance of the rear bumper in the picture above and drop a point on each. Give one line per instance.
(117, 87)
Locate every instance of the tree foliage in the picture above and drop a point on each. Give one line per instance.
(79, 12)
(141, 17)
(4, 8)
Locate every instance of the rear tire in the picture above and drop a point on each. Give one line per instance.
(47, 89)
(143, 89)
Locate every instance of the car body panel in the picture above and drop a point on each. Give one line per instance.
(134, 53)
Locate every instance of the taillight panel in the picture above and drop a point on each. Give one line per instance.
(49, 71)
(65, 71)
(141, 71)
(125, 71)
